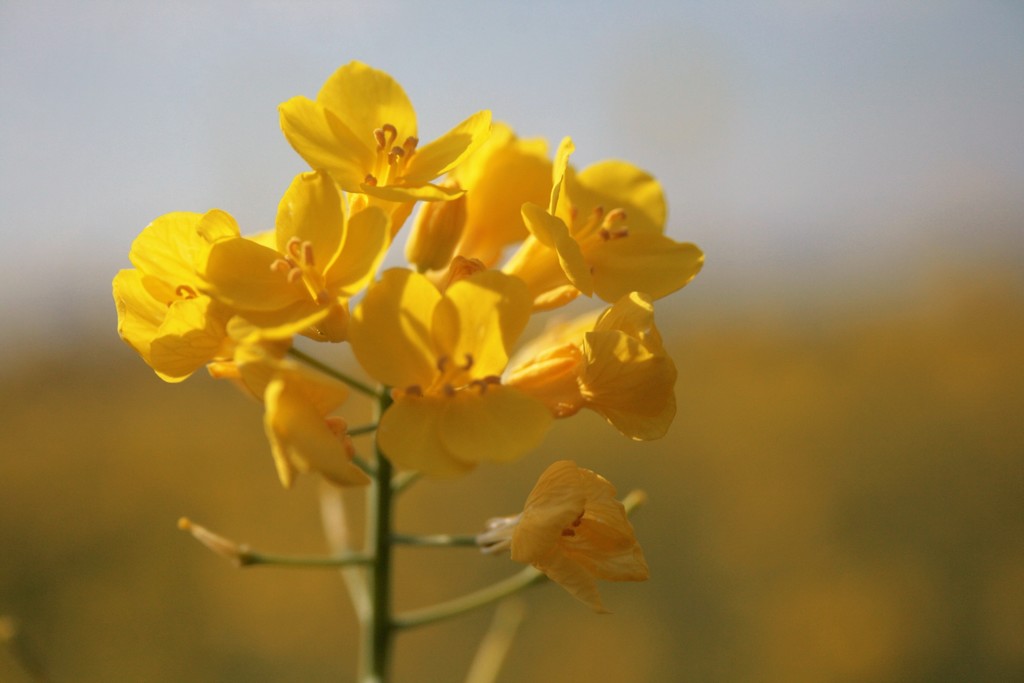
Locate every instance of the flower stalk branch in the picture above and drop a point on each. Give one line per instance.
(336, 374)
(243, 556)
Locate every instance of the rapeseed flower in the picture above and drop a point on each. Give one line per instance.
(443, 353)
(162, 311)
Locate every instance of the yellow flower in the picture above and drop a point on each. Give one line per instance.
(618, 369)
(362, 129)
(161, 310)
(300, 285)
(574, 530)
(602, 233)
(303, 435)
(499, 178)
(444, 354)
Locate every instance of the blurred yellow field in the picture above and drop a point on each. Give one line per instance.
(841, 498)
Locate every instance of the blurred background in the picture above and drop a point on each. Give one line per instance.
(841, 497)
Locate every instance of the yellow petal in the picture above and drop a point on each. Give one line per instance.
(217, 225)
(301, 440)
(573, 577)
(364, 99)
(410, 193)
(167, 248)
(648, 262)
(443, 154)
(320, 138)
(620, 185)
(553, 232)
(192, 334)
(408, 436)
(390, 331)
(629, 385)
(491, 310)
(634, 315)
(558, 171)
(366, 242)
(498, 424)
(556, 500)
(238, 272)
(311, 212)
(503, 175)
(139, 314)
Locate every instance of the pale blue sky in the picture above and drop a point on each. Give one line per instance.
(799, 141)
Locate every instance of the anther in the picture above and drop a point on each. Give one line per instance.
(441, 363)
(307, 254)
(414, 390)
(410, 144)
(378, 135)
(281, 266)
(568, 532)
(396, 154)
(185, 292)
(469, 362)
(370, 180)
(614, 216)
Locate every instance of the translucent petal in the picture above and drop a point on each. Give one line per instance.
(192, 334)
(238, 272)
(410, 193)
(552, 232)
(503, 175)
(311, 211)
(390, 329)
(326, 143)
(497, 424)
(138, 314)
(444, 153)
(168, 247)
(629, 385)
(408, 436)
(492, 311)
(649, 263)
(634, 315)
(300, 438)
(620, 185)
(570, 575)
(366, 242)
(364, 99)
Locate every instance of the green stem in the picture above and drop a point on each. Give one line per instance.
(481, 598)
(248, 558)
(362, 429)
(377, 629)
(404, 480)
(434, 540)
(328, 370)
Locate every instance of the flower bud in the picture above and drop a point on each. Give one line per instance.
(435, 232)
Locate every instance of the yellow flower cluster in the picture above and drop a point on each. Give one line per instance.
(503, 232)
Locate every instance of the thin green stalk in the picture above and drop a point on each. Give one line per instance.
(336, 374)
(485, 596)
(249, 558)
(377, 629)
(434, 540)
(362, 429)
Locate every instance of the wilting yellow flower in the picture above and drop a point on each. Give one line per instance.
(161, 310)
(602, 233)
(501, 176)
(617, 368)
(444, 354)
(362, 130)
(319, 259)
(574, 530)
